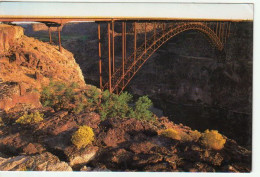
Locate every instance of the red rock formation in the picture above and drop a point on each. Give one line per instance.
(32, 63)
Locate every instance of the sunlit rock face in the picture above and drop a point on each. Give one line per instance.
(31, 63)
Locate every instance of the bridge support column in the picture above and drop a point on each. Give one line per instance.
(123, 50)
(134, 43)
(59, 29)
(154, 31)
(113, 46)
(100, 61)
(145, 37)
(109, 57)
(49, 29)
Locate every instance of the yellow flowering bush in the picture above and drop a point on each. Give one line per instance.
(171, 133)
(30, 118)
(83, 136)
(212, 139)
(195, 135)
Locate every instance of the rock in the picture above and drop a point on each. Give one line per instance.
(115, 137)
(145, 159)
(13, 143)
(33, 148)
(57, 123)
(32, 64)
(13, 94)
(85, 168)
(43, 162)
(8, 35)
(91, 119)
(81, 156)
(143, 147)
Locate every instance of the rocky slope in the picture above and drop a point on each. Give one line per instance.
(120, 145)
(28, 64)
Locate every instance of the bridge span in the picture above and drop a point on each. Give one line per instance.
(163, 29)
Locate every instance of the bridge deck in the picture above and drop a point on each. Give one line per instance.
(63, 20)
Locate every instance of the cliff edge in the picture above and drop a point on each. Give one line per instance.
(30, 64)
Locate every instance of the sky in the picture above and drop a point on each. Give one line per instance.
(166, 9)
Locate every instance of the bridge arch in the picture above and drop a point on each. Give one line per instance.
(120, 79)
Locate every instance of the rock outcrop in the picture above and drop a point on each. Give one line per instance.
(31, 64)
(119, 145)
(41, 162)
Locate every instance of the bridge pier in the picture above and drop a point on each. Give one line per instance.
(99, 61)
(59, 30)
(109, 57)
(49, 29)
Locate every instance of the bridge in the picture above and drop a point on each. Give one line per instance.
(163, 29)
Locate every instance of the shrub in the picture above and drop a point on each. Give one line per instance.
(185, 137)
(213, 140)
(195, 135)
(83, 137)
(59, 96)
(87, 99)
(115, 105)
(30, 118)
(141, 110)
(171, 133)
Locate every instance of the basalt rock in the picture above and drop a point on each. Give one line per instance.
(31, 64)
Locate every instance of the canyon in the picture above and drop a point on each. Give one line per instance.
(194, 85)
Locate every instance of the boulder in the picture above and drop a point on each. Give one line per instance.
(43, 162)
(82, 156)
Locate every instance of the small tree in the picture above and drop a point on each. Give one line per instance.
(141, 109)
(115, 105)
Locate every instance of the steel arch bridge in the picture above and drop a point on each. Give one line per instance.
(119, 78)
(116, 77)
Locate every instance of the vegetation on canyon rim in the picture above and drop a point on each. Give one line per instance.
(61, 96)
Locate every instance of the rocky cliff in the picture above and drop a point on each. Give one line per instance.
(30, 64)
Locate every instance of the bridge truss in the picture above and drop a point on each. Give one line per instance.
(120, 76)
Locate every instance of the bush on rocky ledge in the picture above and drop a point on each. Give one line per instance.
(83, 137)
(113, 105)
(171, 133)
(61, 96)
(213, 140)
(30, 118)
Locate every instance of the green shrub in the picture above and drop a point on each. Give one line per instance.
(113, 105)
(141, 109)
(30, 118)
(87, 99)
(57, 95)
(213, 140)
(83, 137)
(68, 97)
